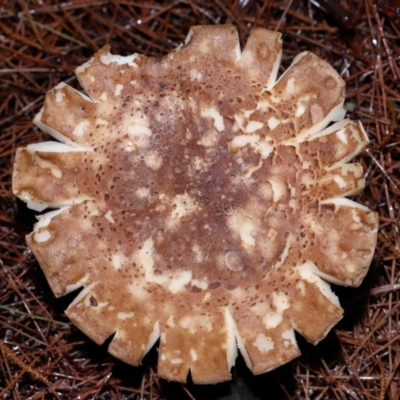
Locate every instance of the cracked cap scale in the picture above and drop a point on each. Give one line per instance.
(200, 201)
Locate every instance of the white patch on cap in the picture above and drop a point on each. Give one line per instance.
(125, 315)
(263, 343)
(145, 256)
(208, 138)
(182, 206)
(273, 122)
(279, 189)
(129, 146)
(179, 280)
(193, 354)
(301, 109)
(142, 193)
(109, 217)
(139, 291)
(272, 320)
(302, 287)
(240, 141)
(116, 261)
(266, 190)
(195, 322)
(206, 296)
(42, 236)
(291, 86)
(243, 226)
(341, 135)
(262, 146)
(289, 338)
(174, 282)
(153, 160)
(118, 89)
(81, 128)
(198, 254)
(339, 181)
(253, 126)
(101, 122)
(246, 173)
(59, 96)
(281, 303)
(139, 134)
(265, 148)
(139, 130)
(213, 113)
(54, 170)
(284, 253)
(199, 163)
(355, 216)
(201, 284)
(170, 321)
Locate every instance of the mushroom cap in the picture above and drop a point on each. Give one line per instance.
(200, 202)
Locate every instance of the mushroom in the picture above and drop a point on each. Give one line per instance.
(200, 202)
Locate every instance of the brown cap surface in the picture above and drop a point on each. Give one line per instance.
(201, 202)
